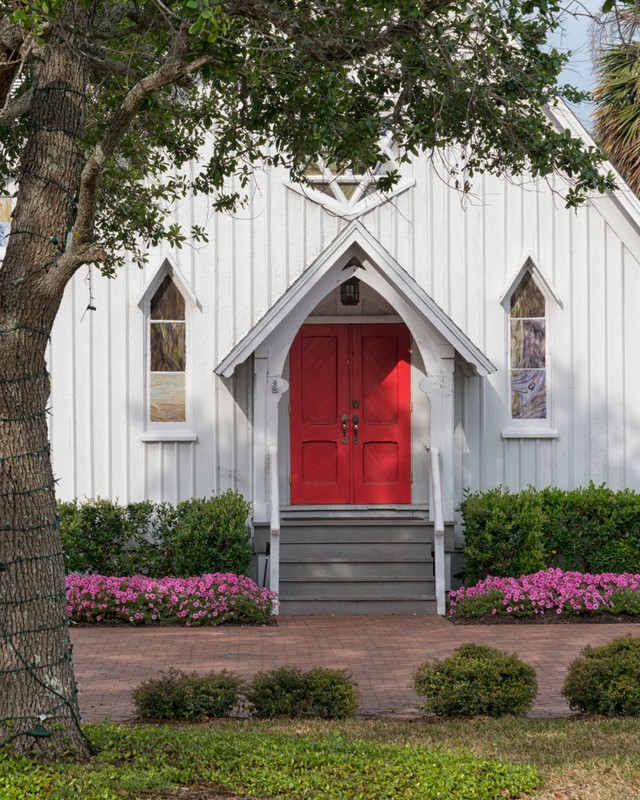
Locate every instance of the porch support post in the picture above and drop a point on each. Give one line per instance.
(439, 390)
(435, 512)
(276, 386)
(260, 427)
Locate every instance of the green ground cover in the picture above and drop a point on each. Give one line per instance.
(135, 761)
(575, 759)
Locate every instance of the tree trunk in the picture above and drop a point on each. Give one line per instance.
(37, 686)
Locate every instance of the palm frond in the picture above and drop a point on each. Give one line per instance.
(617, 114)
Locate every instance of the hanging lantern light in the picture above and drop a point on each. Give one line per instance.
(350, 292)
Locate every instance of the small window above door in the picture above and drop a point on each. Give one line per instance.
(349, 192)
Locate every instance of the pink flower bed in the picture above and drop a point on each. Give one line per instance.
(551, 591)
(206, 600)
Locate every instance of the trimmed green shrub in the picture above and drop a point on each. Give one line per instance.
(606, 679)
(477, 680)
(289, 692)
(178, 695)
(503, 533)
(211, 536)
(592, 529)
(156, 539)
(101, 536)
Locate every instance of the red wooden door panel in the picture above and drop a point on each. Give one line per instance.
(362, 373)
(318, 367)
(381, 382)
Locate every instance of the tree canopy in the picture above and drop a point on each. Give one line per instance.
(102, 105)
(283, 80)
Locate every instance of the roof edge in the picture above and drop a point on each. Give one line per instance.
(355, 237)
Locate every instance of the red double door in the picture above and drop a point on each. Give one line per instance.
(350, 414)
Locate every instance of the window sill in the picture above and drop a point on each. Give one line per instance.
(169, 436)
(530, 433)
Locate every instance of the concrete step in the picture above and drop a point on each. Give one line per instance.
(352, 512)
(365, 533)
(420, 604)
(368, 565)
(348, 569)
(355, 588)
(351, 551)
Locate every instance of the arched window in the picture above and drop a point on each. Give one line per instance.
(528, 345)
(167, 354)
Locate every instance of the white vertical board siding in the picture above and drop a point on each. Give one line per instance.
(631, 377)
(463, 251)
(62, 424)
(590, 344)
(118, 443)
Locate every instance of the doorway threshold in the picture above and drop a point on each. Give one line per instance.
(354, 512)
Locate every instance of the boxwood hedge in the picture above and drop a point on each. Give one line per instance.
(156, 539)
(591, 529)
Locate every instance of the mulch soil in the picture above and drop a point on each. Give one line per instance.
(198, 791)
(548, 619)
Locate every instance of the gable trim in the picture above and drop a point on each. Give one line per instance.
(530, 265)
(619, 209)
(349, 213)
(356, 240)
(167, 268)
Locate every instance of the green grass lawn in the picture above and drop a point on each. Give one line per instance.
(360, 760)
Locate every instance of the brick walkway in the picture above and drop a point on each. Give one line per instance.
(380, 652)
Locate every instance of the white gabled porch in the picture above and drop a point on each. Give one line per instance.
(354, 557)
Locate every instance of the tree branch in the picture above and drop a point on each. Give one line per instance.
(11, 41)
(174, 69)
(339, 47)
(16, 108)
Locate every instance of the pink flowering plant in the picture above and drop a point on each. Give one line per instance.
(551, 591)
(211, 599)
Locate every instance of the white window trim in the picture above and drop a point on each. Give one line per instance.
(349, 212)
(350, 209)
(530, 428)
(168, 431)
(529, 432)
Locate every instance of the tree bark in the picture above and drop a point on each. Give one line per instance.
(37, 685)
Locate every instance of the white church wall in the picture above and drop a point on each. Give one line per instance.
(464, 254)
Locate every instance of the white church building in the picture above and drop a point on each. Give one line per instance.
(352, 363)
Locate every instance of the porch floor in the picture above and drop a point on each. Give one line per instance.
(381, 652)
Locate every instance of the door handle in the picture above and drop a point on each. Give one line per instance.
(344, 428)
(356, 422)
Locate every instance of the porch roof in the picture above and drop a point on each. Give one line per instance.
(356, 241)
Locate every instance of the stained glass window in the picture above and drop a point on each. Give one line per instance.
(167, 354)
(528, 351)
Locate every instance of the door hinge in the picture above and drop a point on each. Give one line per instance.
(289, 479)
(411, 406)
(411, 479)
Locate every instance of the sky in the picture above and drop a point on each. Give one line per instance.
(576, 37)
